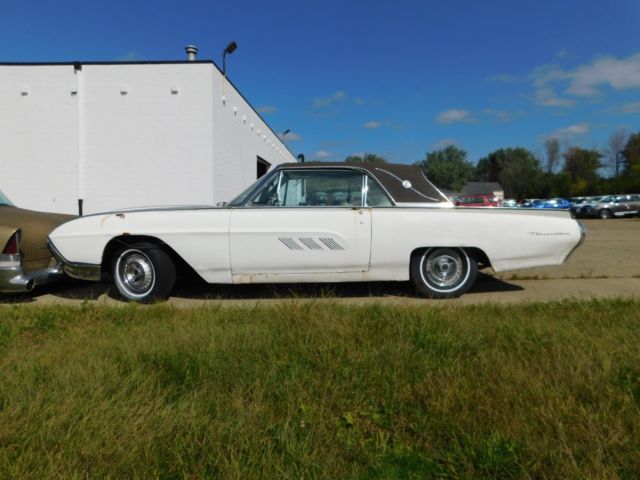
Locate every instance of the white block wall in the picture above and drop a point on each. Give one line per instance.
(126, 135)
(39, 137)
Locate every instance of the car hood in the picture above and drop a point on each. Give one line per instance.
(161, 208)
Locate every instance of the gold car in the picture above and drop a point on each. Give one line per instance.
(25, 259)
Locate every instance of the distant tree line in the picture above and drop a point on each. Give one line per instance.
(571, 172)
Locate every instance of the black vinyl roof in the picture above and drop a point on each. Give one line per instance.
(405, 183)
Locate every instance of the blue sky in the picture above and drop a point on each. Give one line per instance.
(396, 78)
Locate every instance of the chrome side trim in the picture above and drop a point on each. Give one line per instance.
(81, 271)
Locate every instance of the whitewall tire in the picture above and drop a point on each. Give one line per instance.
(443, 272)
(143, 273)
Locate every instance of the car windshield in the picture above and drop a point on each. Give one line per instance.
(325, 187)
(4, 201)
(243, 197)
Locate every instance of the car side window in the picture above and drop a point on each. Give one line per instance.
(376, 196)
(312, 188)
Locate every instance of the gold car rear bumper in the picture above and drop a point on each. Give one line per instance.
(14, 279)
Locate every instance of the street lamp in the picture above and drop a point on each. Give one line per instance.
(227, 51)
(285, 133)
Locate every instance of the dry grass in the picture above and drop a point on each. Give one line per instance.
(321, 391)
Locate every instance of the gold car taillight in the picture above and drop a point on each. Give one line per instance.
(13, 245)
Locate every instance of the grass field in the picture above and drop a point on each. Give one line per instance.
(310, 390)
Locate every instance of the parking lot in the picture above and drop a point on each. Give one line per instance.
(606, 265)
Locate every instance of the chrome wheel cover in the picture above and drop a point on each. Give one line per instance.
(443, 268)
(135, 272)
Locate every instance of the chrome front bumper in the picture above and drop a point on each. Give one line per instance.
(13, 278)
(81, 271)
(583, 234)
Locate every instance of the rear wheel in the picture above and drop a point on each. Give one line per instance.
(443, 272)
(605, 214)
(143, 273)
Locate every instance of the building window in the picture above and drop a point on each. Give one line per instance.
(263, 167)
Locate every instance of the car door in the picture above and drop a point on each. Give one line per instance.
(634, 205)
(621, 205)
(303, 221)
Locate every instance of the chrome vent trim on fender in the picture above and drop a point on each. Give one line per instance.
(331, 243)
(290, 243)
(310, 243)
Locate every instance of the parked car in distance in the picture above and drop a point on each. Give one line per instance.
(529, 202)
(316, 222)
(477, 201)
(25, 260)
(580, 209)
(509, 203)
(555, 203)
(617, 206)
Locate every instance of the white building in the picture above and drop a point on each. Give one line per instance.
(107, 135)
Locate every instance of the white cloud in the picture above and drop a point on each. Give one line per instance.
(266, 109)
(609, 71)
(627, 108)
(453, 115)
(339, 96)
(547, 97)
(323, 154)
(572, 130)
(372, 125)
(586, 80)
(543, 79)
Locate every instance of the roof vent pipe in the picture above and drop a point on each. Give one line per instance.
(191, 52)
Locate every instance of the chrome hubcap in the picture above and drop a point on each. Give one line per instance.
(444, 270)
(136, 272)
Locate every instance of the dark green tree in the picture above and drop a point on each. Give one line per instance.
(366, 158)
(516, 169)
(582, 166)
(631, 169)
(631, 154)
(448, 168)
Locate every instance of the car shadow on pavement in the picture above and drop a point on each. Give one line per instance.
(65, 288)
(199, 290)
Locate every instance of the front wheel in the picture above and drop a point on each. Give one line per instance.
(443, 272)
(605, 214)
(143, 273)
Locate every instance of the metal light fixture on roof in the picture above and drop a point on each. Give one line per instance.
(284, 134)
(227, 51)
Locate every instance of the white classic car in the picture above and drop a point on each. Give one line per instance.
(316, 222)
